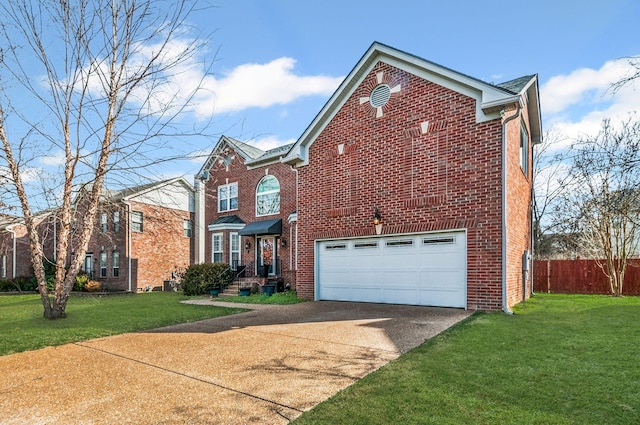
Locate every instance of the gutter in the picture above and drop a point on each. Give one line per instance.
(14, 256)
(505, 304)
(128, 243)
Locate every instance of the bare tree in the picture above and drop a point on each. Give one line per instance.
(102, 74)
(603, 204)
(550, 179)
(634, 63)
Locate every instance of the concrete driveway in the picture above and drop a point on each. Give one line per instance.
(265, 366)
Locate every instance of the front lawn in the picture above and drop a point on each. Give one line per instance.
(22, 326)
(288, 297)
(561, 359)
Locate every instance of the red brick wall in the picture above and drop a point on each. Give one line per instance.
(23, 265)
(448, 178)
(161, 247)
(247, 183)
(518, 210)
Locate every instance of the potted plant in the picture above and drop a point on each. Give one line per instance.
(245, 289)
(269, 288)
(214, 290)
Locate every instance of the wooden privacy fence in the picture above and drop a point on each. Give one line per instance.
(580, 277)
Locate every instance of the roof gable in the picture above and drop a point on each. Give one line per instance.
(490, 98)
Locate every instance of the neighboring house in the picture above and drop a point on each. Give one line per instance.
(15, 260)
(246, 217)
(442, 162)
(142, 236)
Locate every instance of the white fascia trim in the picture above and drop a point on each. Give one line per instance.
(225, 226)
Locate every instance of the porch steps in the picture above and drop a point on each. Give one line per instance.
(230, 291)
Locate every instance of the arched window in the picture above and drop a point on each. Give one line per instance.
(268, 196)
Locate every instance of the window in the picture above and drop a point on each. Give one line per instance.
(444, 240)
(365, 245)
(103, 222)
(136, 221)
(216, 248)
(103, 264)
(268, 196)
(186, 225)
(400, 242)
(3, 266)
(116, 221)
(335, 246)
(524, 148)
(234, 249)
(228, 197)
(116, 263)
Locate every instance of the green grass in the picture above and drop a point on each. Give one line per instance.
(23, 327)
(288, 297)
(561, 359)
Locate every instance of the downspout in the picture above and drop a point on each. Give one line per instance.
(128, 243)
(199, 219)
(13, 256)
(532, 242)
(295, 170)
(505, 304)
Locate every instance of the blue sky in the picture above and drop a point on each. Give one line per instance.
(276, 62)
(308, 47)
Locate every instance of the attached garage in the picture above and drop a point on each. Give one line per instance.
(420, 269)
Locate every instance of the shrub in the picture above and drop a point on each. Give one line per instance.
(8, 286)
(92, 286)
(199, 278)
(81, 281)
(26, 284)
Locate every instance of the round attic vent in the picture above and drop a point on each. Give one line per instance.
(380, 95)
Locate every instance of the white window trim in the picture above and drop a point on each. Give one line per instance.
(115, 265)
(524, 149)
(3, 266)
(104, 261)
(103, 222)
(213, 246)
(231, 250)
(268, 193)
(229, 185)
(141, 222)
(187, 228)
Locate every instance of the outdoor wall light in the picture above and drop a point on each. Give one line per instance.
(247, 245)
(377, 218)
(283, 242)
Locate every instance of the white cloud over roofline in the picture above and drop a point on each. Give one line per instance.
(260, 85)
(575, 104)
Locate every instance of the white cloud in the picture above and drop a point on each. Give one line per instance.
(574, 105)
(261, 85)
(53, 160)
(269, 142)
(582, 85)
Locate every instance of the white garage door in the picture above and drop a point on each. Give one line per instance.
(427, 269)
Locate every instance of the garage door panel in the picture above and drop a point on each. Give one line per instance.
(426, 269)
(441, 297)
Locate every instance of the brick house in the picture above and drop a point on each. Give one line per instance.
(14, 246)
(414, 187)
(142, 236)
(246, 210)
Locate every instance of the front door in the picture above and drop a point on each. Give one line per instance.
(87, 266)
(267, 254)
